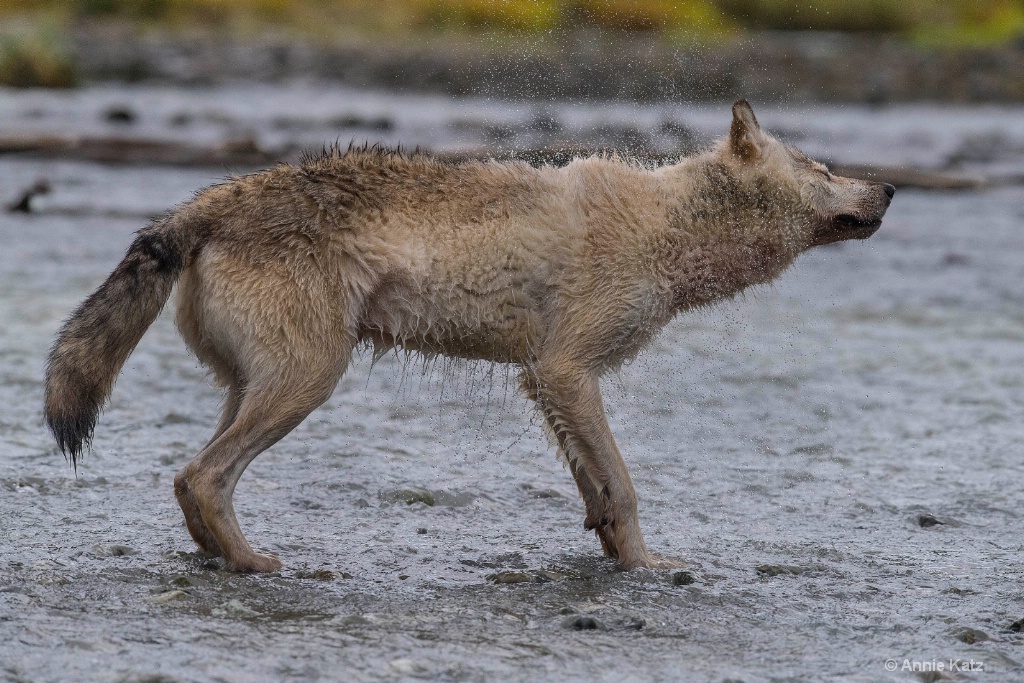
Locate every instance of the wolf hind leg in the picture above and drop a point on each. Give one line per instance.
(197, 528)
(268, 410)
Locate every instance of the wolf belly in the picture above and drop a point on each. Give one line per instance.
(499, 321)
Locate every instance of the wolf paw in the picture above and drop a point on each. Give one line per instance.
(253, 563)
(649, 561)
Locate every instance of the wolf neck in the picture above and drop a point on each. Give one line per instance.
(725, 236)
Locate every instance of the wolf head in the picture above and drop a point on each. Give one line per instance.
(826, 208)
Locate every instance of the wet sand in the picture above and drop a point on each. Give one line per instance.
(836, 457)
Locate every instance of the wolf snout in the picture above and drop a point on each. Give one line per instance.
(890, 190)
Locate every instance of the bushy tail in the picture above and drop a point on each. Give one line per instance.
(95, 342)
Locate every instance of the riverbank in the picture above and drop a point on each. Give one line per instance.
(577, 65)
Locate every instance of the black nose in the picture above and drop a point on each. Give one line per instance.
(889, 190)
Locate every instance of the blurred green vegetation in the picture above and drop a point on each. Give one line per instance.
(970, 20)
(36, 55)
(32, 48)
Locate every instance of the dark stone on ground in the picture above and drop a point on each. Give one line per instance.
(683, 578)
(779, 570)
(971, 636)
(120, 115)
(581, 622)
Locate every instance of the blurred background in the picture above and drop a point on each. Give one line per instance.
(247, 82)
(886, 49)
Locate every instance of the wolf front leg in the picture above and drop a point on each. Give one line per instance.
(570, 399)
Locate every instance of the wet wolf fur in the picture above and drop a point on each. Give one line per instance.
(562, 272)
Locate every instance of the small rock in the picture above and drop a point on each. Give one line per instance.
(237, 608)
(406, 667)
(582, 622)
(634, 623)
(927, 520)
(683, 578)
(119, 114)
(971, 636)
(182, 582)
(409, 495)
(320, 575)
(170, 596)
(779, 569)
(1016, 627)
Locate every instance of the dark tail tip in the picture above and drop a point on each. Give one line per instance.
(73, 434)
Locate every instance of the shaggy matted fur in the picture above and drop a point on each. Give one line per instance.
(562, 272)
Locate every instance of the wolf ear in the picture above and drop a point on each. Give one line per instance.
(746, 139)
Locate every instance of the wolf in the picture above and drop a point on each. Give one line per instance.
(561, 273)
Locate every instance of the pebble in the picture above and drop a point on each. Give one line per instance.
(237, 608)
(406, 667)
(120, 114)
(170, 596)
(409, 495)
(683, 578)
(779, 569)
(321, 575)
(582, 622)
(971, 636)
(634, 623)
